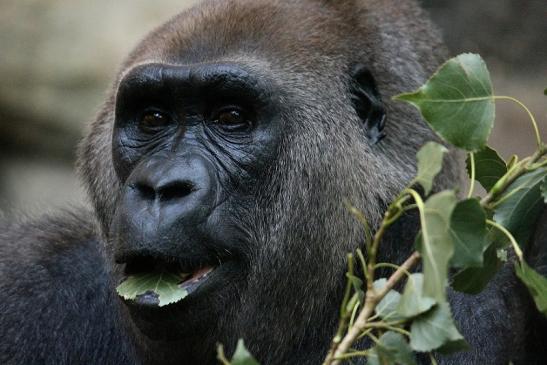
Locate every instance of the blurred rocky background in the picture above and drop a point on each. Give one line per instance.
(57, 58)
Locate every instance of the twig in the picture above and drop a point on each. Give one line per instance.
(371, 301)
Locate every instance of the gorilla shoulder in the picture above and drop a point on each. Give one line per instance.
(56, 305)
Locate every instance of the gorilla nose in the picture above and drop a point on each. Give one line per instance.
(168, 195)
(170, 189)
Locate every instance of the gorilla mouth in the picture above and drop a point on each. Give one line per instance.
(192, 275)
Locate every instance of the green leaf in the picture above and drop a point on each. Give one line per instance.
(521, 205)
(242, 355)
(536, 283)
(430, 163)
(489, 167)
(435, 330)
(544, 190)
(436, 245)
(412, 302)
(457, 102)
(392, 348)
(473, 280)
(387, 308)
(468, 231)
(164, 285)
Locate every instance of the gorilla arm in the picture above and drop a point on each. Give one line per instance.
(57, 301)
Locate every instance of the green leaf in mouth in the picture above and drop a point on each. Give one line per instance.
(164, 285)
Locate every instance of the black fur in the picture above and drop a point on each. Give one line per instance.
(57, 303)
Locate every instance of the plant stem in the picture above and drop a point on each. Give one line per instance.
(371, 300)
(534, 123)
(386, 326)
(472, 180)
(221, 357)
(363, 262)
(343, 323)
(362, 219)
(391, 266)
(349, 355)
(508, 234)
(392, 212)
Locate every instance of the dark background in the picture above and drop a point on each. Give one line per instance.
(57, 58)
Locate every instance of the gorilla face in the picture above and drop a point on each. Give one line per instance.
(191, 146)
(231, 139)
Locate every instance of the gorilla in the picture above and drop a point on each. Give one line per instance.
(230, 138)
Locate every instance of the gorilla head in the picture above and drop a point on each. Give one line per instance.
(231, 138)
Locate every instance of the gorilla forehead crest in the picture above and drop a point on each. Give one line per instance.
(281, 31)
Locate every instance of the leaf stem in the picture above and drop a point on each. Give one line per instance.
(367, 332)
(508, 234)
(387, 326)
(363, 220)
(221, 356)
(392, 266)
(363, 262)
(534, 123)
(472, 182)
(347, 291)
(349, 355)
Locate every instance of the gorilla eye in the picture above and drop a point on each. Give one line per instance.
(154, 119)
(231, 118)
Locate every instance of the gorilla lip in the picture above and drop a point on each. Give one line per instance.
(191, 282)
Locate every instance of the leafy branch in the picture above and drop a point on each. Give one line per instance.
(469, 236)
(458, 103)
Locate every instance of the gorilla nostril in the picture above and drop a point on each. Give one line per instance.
(170, 191)
(175, 190)
(146, 192)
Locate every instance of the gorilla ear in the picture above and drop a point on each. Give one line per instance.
(368, 103)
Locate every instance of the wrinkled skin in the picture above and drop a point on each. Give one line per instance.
(228, 144)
